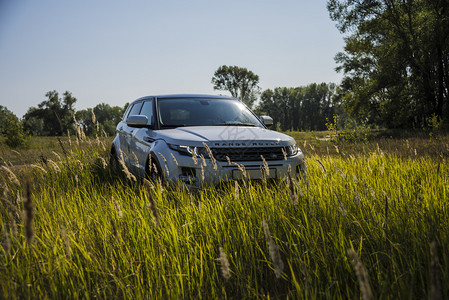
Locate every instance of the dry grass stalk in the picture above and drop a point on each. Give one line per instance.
(39, 168)
(152, 203)
(224, 265)
(93, 116)
(265, 166)
(357, 197)
(236, 190)
(274, 251)
(16, 152)
(362, 275)
(386, 208)
(174, 158)
(435, 286)
(229, 160)
(203, 159)
(194, 157)
(136, 159)
(356, 181)
(11, 176)
(202, 173)
(372, 192)
(125, 170)
(340, 204)
(14, 229)
(163, 157)
(104, 164)
(323, 168)
(214, 162)
(291, 188)
(68, 137)
(29, 213)
(284, 153)
(54, 166)
(117, 207)
(340, 171)
(57, 156)
(80, 164)
(336, 149)
(65, 240)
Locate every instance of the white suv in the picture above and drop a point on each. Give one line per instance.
(201, 140)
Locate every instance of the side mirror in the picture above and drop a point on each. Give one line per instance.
(137, 121)
(266, 120)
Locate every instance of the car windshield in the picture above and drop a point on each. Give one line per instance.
(204, 112)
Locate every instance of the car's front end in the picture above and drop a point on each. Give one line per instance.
(201, 159)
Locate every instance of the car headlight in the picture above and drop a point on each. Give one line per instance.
(189, 151)
(292, 150)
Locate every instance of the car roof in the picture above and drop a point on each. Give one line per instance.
(177, 96)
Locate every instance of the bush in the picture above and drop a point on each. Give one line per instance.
(15, 135)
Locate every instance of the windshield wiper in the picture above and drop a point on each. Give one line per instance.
(173, 125)
(234, 124)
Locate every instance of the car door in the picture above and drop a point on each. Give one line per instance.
(126, 132)
(143, 138)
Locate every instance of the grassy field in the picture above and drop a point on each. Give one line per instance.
(370, 221)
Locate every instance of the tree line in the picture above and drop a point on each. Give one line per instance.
(395, 60)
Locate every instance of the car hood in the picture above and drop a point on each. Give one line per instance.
(224, 136)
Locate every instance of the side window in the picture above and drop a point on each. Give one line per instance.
(135, 110)
(147, 110)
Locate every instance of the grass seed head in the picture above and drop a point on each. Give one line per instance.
(275, 255)
(152, 203)
(323, 168)
(362, 275)
(211, 156)
(224, 265)
(54, 166)
(65, 240)
(117, 207)
(38, 167)
(11, 176)
(236, 190)
(174, 158)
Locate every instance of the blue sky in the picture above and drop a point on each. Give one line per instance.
(117, 51)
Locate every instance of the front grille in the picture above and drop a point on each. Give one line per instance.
(248, 154)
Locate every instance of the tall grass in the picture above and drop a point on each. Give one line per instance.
(374, 215)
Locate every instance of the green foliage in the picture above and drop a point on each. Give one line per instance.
(51, 117)
(15, 135)
(240, 82)
(301, 108)
(105, 116)
(394, 60)
(4, 116)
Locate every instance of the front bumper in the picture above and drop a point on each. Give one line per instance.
(180, 168)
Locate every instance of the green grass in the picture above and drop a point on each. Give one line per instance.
(96, 234)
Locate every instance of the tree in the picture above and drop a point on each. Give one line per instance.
(395, 60)
(107, 117)
(301, 108)
(53, 116)
(240, 82)
(4, 114)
